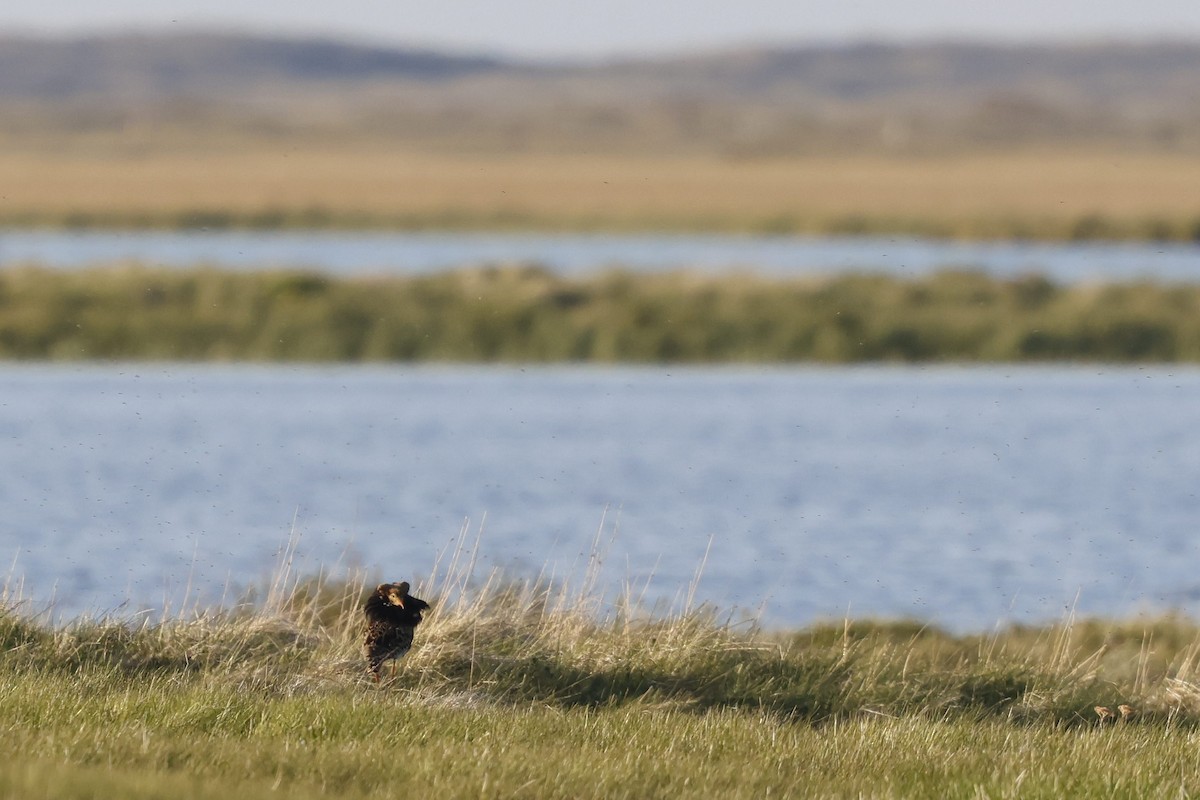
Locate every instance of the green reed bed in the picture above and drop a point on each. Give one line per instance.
(527, 314)
(519, 690)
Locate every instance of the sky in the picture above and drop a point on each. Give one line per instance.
(562, 28)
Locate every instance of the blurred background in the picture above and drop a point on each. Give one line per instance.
(874, 309)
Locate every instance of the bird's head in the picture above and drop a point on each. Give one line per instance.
(397, 593)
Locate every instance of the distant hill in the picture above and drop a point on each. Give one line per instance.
(749, 101)
(206, 63)
(1119, 74)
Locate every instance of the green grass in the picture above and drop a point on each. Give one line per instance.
(521, 690)
(527, 314)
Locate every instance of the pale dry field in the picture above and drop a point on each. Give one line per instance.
(964, 193)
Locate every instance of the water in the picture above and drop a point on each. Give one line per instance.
(962, 496)
(573, 254)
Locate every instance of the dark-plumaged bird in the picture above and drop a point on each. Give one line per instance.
(392, 616)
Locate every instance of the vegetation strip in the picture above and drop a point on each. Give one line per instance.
(527, 314)
(525, 691)
(1086, 227)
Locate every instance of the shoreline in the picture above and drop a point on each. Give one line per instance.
(1086, 228)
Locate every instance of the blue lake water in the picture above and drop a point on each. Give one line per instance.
(573, 254)
(962, 496)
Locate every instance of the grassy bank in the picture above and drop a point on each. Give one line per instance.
(1063, 193)
(520, 691)
(525, 314)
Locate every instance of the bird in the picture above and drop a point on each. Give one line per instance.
(1128, 712)
(392, 616)
(1105, 714)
